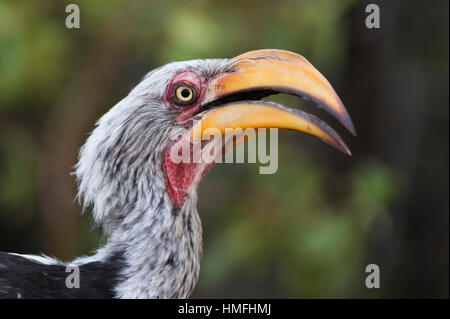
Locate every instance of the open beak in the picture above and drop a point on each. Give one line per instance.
(260, 73)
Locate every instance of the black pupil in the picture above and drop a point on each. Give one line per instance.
(185, 93)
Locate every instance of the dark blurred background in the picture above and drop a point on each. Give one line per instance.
(307, 231)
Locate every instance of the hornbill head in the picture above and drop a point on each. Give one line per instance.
(145, 199)
(176, 104)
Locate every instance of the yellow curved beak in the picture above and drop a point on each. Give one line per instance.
(257, 114)
(264, 72)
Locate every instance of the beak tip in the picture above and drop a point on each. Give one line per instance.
(348, 123)
(351, 128)
(346, 150)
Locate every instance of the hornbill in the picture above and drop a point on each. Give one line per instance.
(144, 201)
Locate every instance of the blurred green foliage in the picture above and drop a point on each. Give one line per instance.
(305, 230)
(288, 225)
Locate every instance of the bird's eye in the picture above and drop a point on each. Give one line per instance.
(185, 94)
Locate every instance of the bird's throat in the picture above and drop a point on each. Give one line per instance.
(161, 250)
(181, 176)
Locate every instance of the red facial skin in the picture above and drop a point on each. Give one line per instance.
(179, 176)
(196, 81)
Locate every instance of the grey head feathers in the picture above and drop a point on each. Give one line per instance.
(120, 161)
(153, 249)
(119, 174)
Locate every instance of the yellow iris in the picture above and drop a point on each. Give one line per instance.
(184, 93)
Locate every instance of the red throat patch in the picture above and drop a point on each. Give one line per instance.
(179, 177)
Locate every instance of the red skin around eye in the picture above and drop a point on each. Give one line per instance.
(196, 80)
(179, 176)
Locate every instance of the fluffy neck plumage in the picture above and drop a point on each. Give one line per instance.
(161, 248)
(120, 174)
